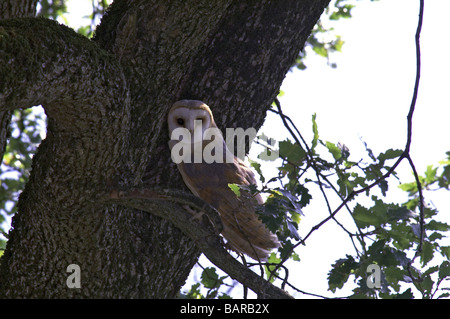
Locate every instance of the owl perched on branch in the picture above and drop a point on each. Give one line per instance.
(208, 167)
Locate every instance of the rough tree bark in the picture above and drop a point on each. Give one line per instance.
(9, 9)
(106, 101)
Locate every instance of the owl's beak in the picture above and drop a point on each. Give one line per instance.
(196, 131)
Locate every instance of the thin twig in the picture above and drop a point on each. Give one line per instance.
(404, 155)
(410, 117)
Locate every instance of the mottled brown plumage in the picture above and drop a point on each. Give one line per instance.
(244, 232)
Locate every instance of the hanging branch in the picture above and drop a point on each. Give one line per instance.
(405, 154)
(410, 118)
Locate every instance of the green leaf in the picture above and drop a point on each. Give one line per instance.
(295, 256)
(389, 154)
(340, 272)
(252, 189)
(411, 188)
(427, 252)
(394, 275)
(388, 256)
(444, 295)
(210, 279)
(286, 250)
(321, 50)
(294, 153)
(427, 285)
(304, 194)
(444, 179)
(401, 213)
(402, 235)
(315, 131)
(271, 214)
(194, 292)
(268, 269)
(295, 217)
(334, 150)
(337, 44)
(445, 251)
(383, 185)
(235, 188)
(293, 201)
(431, 270)
(407, 294)
(434, 236)
(444, 270)
(257, 167)
(365, 218)
(430, 174)
(435, 225)
(292, 227)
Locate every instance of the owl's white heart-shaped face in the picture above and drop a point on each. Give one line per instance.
(193, 116)
(190, 119)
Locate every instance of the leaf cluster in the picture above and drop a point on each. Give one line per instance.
(57, 9)
(385, 234)
(208, 286)
(323, 41)
(396, 233)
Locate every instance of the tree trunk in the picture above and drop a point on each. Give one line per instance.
(106, 101)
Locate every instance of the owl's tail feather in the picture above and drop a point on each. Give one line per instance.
(246, 234)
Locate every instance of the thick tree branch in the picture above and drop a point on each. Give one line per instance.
(10, 9)
(43, 62)
(82, 89)
(17, 8)
(206, 239)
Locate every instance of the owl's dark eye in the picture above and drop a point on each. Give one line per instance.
(180, 121)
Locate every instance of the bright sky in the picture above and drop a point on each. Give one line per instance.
(368, 95)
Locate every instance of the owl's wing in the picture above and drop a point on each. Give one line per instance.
(243, 230)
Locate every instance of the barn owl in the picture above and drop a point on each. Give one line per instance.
(243, 231)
